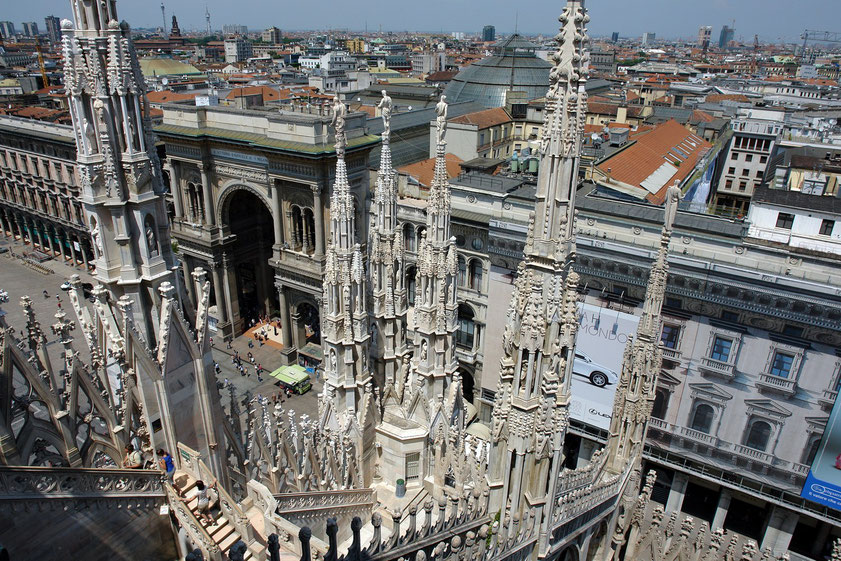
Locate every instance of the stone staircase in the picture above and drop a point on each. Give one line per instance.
(222, 531)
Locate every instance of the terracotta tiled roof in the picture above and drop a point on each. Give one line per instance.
(48, 90)
(699, 116)
(269, 94)
(484, 119)
(669, 142)
(38, 113)
(442, 76)
(369, 109)
(425, 170)
(165, 96)
(713, 98)
(610, 109)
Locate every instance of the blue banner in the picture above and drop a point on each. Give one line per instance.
(823, 485)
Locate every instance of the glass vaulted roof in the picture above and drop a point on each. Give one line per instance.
(514, 66)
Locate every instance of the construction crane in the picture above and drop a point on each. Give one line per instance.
(41, 65)
(817, 37)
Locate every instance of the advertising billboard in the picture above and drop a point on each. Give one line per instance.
(599, 347)
(823, 485)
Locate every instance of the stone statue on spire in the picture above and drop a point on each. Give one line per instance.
(338, 121)
(441, 119)
(673, 198)
(385, 106)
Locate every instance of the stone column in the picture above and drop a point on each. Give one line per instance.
(21, 229)
(175, 189)
(72, 249)
(676, 493)
(84, 255)
(318, 210)
(721, 510)
(209, 218)
(219, 292)
(293, 232)
(62, 240)
(780, 528)
(277, 217)
(286, 327)
(305, 233)
(52, 244)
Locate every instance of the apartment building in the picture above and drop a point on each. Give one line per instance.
(755, 132)
(749, 338)
(39, 189)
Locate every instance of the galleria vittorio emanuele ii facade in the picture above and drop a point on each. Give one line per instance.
(389, 469)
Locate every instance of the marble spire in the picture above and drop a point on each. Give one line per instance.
(122, 186)
(387, 266)
(640, 366)
(530, 414)
(347, 397)
(435, 314)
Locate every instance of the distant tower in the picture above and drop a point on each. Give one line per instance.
(174, 31)
(207, 18)
(163, 15)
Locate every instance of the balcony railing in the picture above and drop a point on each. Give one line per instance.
(778, 384)
(723, 369)
(828, 399)
(672, 354)
(755, 455)
(658, 423)
(800, 469)
(698, 436)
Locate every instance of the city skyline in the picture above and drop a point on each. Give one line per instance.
(669, 20)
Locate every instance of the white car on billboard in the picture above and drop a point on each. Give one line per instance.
(598, 374)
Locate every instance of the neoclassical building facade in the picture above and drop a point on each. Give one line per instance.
(250, 195)
(39, 189)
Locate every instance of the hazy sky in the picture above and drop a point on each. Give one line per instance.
(771, 19)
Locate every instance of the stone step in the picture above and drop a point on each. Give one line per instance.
(223, 534)
(229, 540)
(217, 527)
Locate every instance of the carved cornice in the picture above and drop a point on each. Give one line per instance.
(28, 483)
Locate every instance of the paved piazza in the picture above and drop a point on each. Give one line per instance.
(19, 280)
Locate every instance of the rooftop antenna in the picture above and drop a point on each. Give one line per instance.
(163, 15)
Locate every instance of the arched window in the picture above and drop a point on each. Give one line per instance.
(474, 280)
(462, 271)
(465, 334)
(411, 272)
(308, 223)
(661, 404)
(297, 228)
(758, 435)
(409, 237)
(702, 419)
(811, 450)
